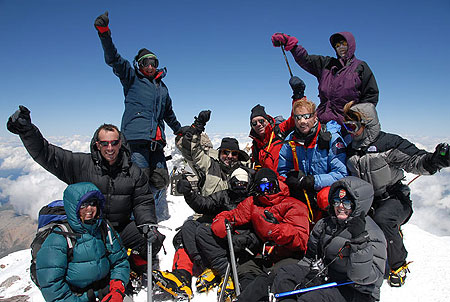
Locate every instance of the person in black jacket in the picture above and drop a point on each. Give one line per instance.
(109, 167)
(381, 158)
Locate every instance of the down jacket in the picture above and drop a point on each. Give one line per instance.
(326, 163)
(290, 235)
(361, 261)
(92, 261)
(123, 184)
(147, 101)
(339, 81)
(380, 158)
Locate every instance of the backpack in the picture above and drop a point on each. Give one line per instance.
(53, 216)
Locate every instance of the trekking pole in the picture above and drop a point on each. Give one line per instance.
(287, 62)
(149, 261)
(149, 271)
(232, 259)
(224, 284)
(308, 289)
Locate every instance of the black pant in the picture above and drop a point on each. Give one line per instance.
(390, 214)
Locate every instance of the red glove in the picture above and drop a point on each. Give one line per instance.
(279, 39)
(218, 227)
(116, 291)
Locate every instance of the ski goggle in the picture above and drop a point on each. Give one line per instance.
(92, 203)
(147, 60)
(346, 203)
(352, 126)
(306, 116)
(341, 43)
(266, 188)
(106, 143)
(226, 152)
(261, 121)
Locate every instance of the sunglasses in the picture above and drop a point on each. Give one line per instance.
(345, 202)
(352, 126)
(341, 43)
(106, 143)
(92, 203)
(261, 121)
(226, 152)
(306, 116)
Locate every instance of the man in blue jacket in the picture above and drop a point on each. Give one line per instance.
(147, 106)
(313, 159)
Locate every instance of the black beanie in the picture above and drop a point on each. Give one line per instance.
(259, 110)
(266, 174)
(142, 52)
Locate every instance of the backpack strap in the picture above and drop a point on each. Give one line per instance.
(69, 235)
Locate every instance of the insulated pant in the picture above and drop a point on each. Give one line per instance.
(390, 214)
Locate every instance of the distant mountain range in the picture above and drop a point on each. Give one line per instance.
(16, 231)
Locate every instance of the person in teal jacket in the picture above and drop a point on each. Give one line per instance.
(97, 268)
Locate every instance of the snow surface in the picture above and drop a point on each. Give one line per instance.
(429, 251)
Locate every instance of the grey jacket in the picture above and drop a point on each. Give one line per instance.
(361, 260)
(381, 158)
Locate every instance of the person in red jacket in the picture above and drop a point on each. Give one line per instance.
(268, 134)
(280, 221)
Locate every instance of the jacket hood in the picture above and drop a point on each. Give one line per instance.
(351, 43)
(74, 196)
(361, 192)
(372, 126)
(125, 152)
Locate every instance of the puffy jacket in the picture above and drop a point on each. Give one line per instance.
(93, 260)
(124, 185)
(147, 101)
(339, 81)
(322, 157)
(361, 261)
(380, 158)
(291, 233)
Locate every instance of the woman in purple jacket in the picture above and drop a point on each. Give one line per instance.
(341, 79)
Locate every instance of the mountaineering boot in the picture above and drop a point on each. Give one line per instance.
(207, 280)
(229, 293)
(397, 277)
(176, 283)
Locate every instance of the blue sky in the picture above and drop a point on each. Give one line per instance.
(219, 57)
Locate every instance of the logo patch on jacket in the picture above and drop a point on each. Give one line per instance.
(338, 146)
(372, 149)
(342, 193)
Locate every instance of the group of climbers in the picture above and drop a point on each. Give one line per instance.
(319, 199)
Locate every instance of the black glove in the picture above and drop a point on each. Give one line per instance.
(154, 236)
(439, 159)
(293, 180)
(200, 121)
(183, 130)
(357, 225)
(270, 218)
(245, 239)
(298, 88)
(101, 25)
(307, 182)
(20, 121)
(184, 186)
(159, 178)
